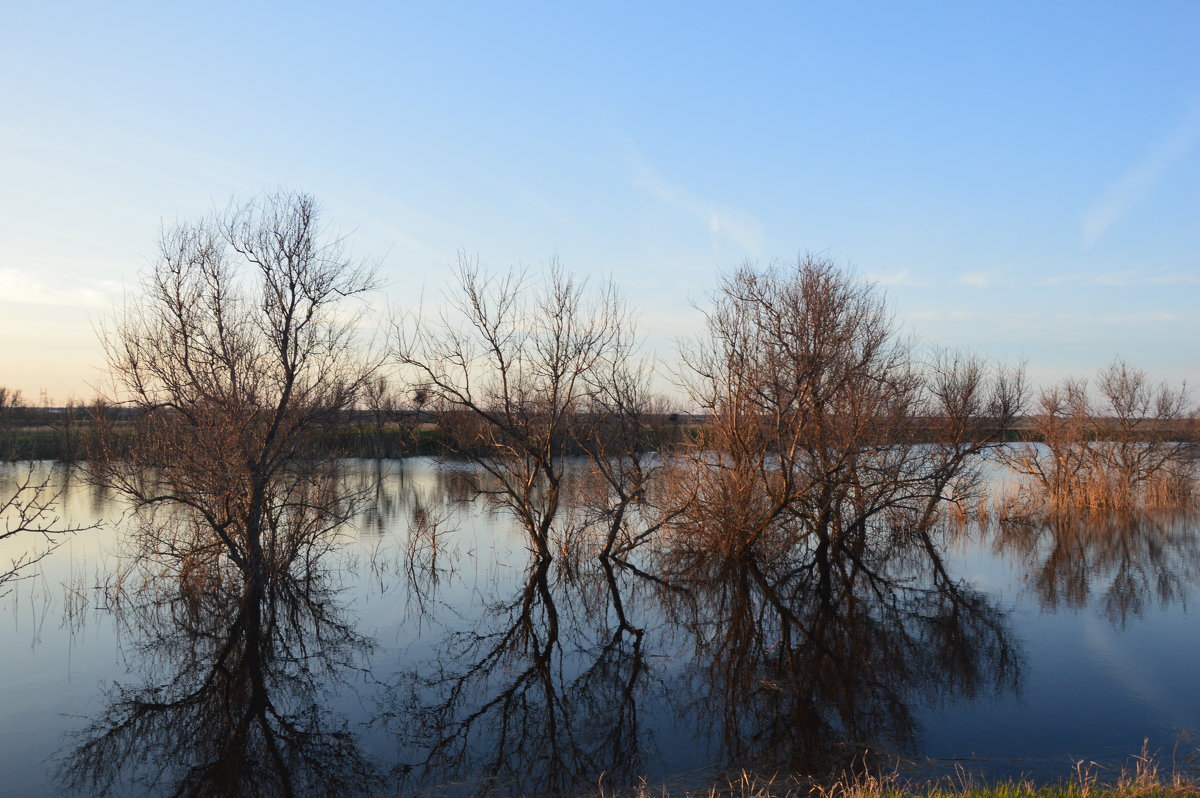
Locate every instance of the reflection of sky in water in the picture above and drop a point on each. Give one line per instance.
(1090, 687)
(1093, 688)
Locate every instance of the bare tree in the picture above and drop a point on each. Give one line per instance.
(29, 506)
(624, 429)
(382, 406)
(29, 502)
(802, 379)
(511, 361)
(239, 350)
(1120, 446)
(820, 416)
(1147, 457)
(971, 406)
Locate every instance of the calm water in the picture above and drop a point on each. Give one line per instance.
(431, 655)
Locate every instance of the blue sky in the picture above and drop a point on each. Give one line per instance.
(1022, 178)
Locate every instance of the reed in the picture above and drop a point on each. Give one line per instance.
(1143, 778)
(1121, 444)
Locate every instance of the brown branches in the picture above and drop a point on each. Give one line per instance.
(29, 505)
(1119, 446)
(239, 350)
(511, 362)
(821, 420)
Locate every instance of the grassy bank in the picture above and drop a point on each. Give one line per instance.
(1142, 778)
(751, 787)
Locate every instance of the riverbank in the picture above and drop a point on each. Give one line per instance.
(1142, 780)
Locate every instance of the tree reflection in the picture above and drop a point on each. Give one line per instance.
(1125, 561)
(805, 662)
(803, 653)
(396, 489)
(232, 700)
(817, 656)
(539, 696)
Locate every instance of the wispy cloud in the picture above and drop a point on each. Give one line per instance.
(26, 289)
(899, 277)
(1044, 320)
(943, 315)
(721, 222)
(1123, 278)
(1137, 183)
(1147, 317)
(743, 229)
(1133, 278)
(980, 279)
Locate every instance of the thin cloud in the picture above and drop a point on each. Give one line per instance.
(1123, 278)
(1138, 182)
(900, 277)
(1133, 278)
(1119, 318)
(720, 222)
(1074, 278)
(22, 288)
(943, 316)
(1044, 321)
(738, 227)
(980, 279)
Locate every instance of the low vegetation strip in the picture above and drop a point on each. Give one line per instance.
(1143, 781)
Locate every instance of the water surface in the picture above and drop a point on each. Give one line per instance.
(430, 653)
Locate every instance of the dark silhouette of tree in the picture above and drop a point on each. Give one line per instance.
(539, 697)
(232, 704)
(811, 662)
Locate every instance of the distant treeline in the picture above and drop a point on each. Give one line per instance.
(62, 433)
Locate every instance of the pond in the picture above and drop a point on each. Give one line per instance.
(431, 653)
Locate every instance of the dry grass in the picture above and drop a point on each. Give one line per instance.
(1142, 778)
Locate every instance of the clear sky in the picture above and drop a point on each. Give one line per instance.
(1023, 178)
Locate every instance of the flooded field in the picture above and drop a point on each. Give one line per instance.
(428, 650)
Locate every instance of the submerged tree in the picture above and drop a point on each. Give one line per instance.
(29, 506)
(239, 350)
(510, 365)
(1118, 445)
(29, 499)
(623, 430)
(821, 418)
(807, 563)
